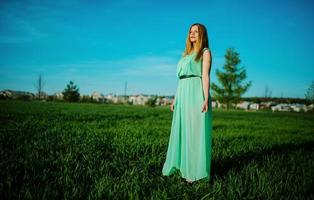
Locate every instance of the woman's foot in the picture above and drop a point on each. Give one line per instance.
(189, 182)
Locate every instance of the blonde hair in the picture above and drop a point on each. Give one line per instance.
(200, 44)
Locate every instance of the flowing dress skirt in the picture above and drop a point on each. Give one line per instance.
(189, 148)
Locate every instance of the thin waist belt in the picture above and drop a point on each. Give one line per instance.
(188, 76)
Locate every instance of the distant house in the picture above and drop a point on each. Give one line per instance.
(96, 96)
(43, 95)
(6, 94)
(254, 106)
(244, 105)
(12, 94)
(112, 98)
(58, 95)
(163, 101)
(299, 107)
(266, 105)
(159, 101)
(214, 104)
(138, 99)
(167, 100)
(281, 107)
(247, 105)
(217, 104)
(122, 99)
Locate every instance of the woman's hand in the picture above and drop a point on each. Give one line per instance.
(172, 107)
(205, 106)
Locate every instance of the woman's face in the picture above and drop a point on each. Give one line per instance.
(194, 34)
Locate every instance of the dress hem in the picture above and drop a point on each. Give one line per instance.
(185, 177)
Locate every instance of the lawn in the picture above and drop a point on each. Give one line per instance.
(54, 150)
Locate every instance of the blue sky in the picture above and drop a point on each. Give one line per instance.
(101, 44)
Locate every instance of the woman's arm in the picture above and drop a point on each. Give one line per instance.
(205, 73)
(172, 104)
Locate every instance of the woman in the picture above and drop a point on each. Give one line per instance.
(189, 148)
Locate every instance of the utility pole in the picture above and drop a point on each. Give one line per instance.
(125, 88)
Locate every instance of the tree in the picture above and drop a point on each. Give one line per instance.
(71, 93)
(39, 85)
(231, 90)
(152, 101)
(309, 95)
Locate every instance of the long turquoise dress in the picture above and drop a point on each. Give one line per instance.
(189, 147)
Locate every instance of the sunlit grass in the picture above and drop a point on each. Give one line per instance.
(70, 151)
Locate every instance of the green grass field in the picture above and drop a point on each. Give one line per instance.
(93, 151)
